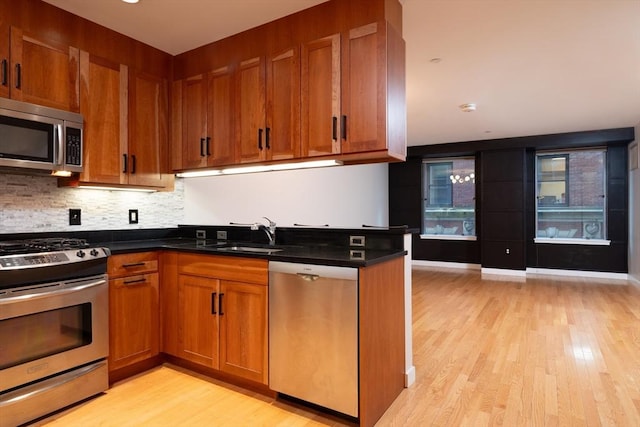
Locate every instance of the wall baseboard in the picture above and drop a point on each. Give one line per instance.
(578, 273)
(444, 264)
(524, 273)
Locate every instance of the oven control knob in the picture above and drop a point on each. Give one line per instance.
(94, 252)
(80, 254)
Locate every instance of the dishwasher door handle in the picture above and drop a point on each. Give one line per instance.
(308, 277)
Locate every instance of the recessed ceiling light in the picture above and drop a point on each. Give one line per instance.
(131, 1)
(467, 108)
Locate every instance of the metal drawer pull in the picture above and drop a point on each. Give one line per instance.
(220, 305)
(134, 281)
(213, 302)
(137, 264)
(308, 277)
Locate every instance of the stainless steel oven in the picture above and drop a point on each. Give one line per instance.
(53, 330)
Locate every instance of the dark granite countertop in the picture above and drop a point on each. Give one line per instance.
(308, 254)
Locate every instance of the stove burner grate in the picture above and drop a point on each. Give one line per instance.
(41, 245)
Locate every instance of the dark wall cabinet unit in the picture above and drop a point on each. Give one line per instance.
(502, 189)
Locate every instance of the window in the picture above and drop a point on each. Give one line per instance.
(571, 194)
(449, 197)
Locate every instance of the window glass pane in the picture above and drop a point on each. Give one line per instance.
(571, 195)
(449, 197)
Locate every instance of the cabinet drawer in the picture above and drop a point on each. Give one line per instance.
(250, 270)
(131, 264)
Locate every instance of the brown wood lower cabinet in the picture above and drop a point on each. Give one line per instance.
(134, 328)
(215, 313)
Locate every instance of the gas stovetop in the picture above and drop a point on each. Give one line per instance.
(28, 246)
(24, 262)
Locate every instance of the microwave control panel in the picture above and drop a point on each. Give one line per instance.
(73, 146)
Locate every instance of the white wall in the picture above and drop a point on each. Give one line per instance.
(342, 196)
(634, 214)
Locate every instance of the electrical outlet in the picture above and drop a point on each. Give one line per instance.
(508, 251)
(74, 217)
(201, 234)
(133, 216)
(221, 235)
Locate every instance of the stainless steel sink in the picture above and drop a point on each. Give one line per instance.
(253, 249)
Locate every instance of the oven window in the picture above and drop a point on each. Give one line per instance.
(34, 336)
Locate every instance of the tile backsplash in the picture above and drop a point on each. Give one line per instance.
(37, 204)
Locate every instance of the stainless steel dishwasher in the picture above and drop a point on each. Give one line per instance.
(313, 334)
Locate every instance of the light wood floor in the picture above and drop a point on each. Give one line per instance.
(488, 351)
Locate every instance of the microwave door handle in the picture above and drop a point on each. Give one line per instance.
(58, 144)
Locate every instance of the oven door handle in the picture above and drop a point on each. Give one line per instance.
(38, 388)
(48, 292)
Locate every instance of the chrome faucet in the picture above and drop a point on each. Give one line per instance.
(269, 230)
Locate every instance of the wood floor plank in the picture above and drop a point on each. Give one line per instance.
(488, 351)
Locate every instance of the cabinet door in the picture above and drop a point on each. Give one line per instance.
(194, 122)
(104, 107)
(243, 330)
(282, 132)
(250, 112)
(197, 313)
(148, 130)
(220, 141)
(320, 97)
(4, 60)
(134, 330)
(45, 72)
(363, 90)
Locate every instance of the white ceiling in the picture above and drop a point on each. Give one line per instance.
(531, 66)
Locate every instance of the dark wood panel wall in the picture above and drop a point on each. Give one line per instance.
(505, 203)
(502, 196)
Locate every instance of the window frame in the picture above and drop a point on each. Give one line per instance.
(571, 240)
(426, 162)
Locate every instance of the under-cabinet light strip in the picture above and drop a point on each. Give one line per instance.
(262, 168)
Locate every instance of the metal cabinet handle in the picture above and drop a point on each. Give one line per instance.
(213, 302)
(134, 281)
(220, 304)
(18, 76)
(5, 72)
(334, 131)
(260, 139)
(201, 147)
(266, 138)
(344, 127)
(124, 163)
(136, 264)
(133, 163)
(208, 146)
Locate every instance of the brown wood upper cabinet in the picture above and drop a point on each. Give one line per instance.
(148, 131)
(126, 129)
(268, 107)
(207, 119)
(36, 70)
(373, 91)
(320, 97)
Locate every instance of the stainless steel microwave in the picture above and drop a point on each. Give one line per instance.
(34, 138)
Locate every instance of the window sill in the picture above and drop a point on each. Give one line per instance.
(560, 241)
(447, 237)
